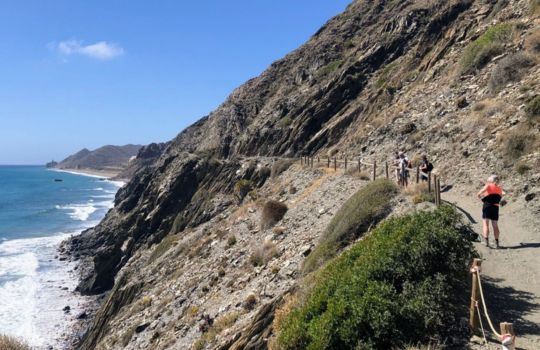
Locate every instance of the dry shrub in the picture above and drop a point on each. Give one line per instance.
(479, 106)
(250, 302)
(522, 168)
(219, 325)
(231, 240)
(11, 343)
(163, 246)
(279, 166)
(517, 143)
(242, 188)
(263, 254)
(272, 212)
(532, 109)
(509, 69)
(533, 42)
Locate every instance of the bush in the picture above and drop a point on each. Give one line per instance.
(279, 166)
(250, 302)
(363, 210)
(263, 254)
(482, 50)
(511, 68)
(533, 108)
(163, 246)
(272, 212)
(231, 240)
(404, 284)
(533, 42)
(522, 168)
(423, 197)
(517, 144)
(11, 343)
(242, 188)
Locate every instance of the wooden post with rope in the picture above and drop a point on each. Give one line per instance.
(417, 174)
(335, 164)
(507, 335)
(429, 182)
(374, 170)
(328, 163)
(439, 192)
(435, 189)
(311, 162)
(386, 170)
(359, 166)
(345, 162)
(473, 318)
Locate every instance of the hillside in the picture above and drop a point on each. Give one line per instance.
(458, 80)
(106, 157)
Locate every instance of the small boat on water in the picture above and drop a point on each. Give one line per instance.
(58, 180)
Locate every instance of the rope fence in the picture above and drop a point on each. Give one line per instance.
(373, 170)
(506, 335)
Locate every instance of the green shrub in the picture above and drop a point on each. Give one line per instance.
(363, 210)
(272, 212)
(11, 343)
(231, 240)
(518, 143)
(242, 188)
(510, 69)
(330, 68)
(285, 121)
(163, 246)
(404, 284)
(533, 108)
(279, 166)
(482, 50)
(522, 168)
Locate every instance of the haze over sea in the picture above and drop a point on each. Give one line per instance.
(36, 214)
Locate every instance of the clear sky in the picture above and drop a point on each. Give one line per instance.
(77, 73)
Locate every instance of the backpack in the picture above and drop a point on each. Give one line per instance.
(429, 167)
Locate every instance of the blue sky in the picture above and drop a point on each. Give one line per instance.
(88, 73)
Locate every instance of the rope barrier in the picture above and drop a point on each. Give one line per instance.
(481, 325)
(485, 307)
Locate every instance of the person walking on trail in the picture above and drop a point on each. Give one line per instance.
(491, 194)
(403, 169)
(425, 168)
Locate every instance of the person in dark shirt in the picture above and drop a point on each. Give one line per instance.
(425, 168)
(491, 194)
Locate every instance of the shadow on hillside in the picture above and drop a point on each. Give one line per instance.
(466, 213)
(506, 304)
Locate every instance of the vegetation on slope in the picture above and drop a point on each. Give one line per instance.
(10, 343)
(479, 52)
(363, 210)
(403, 284)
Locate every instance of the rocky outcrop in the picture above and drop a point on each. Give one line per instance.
(146, 156)
(381, 76)
(101, 158)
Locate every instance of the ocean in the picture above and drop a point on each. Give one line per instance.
(37, 212)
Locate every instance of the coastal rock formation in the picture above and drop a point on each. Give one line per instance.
(106, 157)
(175, 252)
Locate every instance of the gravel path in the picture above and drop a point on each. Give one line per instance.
(512, 273)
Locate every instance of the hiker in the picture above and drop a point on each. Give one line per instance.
(425, 168)
(491, 194)
(403, 169)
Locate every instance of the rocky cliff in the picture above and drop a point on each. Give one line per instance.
(455, 79)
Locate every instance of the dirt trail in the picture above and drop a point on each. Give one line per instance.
(511, 274)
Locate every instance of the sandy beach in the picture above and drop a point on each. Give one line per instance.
(104, 173)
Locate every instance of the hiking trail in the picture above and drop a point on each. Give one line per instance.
(510, 275)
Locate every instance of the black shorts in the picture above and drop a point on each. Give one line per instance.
(490, 212)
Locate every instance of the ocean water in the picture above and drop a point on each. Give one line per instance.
(36, 214)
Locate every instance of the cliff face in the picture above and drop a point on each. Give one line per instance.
(381, 76)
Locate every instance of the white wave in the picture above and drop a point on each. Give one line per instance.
(31, 301)
(79, 212)
(99, 189)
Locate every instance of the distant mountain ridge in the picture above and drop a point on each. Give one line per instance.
(104, 157)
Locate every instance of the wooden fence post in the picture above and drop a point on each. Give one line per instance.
(429, 182)
(311, 162)
(435, 189)
(508, 329)
(374, 170)
(328, 163)
(439, 192)
(335, 164)
(417, 174)
(359, 166)
(318, 160)
(473, 318)
(386, 170)
(345, 162)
